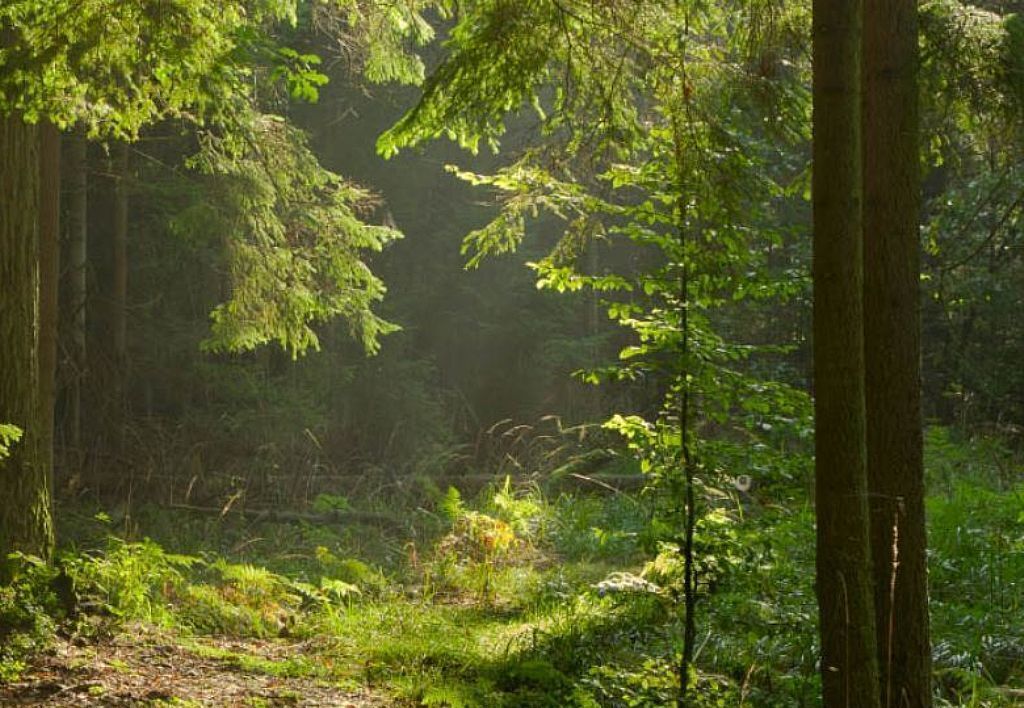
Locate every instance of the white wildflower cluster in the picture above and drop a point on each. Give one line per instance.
(621, 582)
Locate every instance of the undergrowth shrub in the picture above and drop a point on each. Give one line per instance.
(953, 456)
(238, 600)
(29, 610)
(470, 553)
(352, 571)
(652, 683)
(977, 586)
(140, 581)
(133, 580)
(533, 599)
(204, 608)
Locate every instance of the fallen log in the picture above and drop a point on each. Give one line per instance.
(1010, 693)
(337, 516)
(564, 482)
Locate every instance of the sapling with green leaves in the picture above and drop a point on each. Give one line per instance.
(656, 136)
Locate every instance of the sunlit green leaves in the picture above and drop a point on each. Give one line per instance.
(299, 73)
(292, 231)
(116, 66)
(498, 55)
(9, 435)
(970, 77)
(378, 37)
(675, 128)
(973, 103)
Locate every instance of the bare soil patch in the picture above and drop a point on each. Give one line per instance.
(147, 667)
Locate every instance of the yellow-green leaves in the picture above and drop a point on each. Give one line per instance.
(9, 435)
(118, 65)
(377, 37)
(499, 54)
(299, 74)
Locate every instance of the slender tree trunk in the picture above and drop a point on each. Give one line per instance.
(686, 457)
(25, 521)
(120, 289)
(49, 276)
(849, 663)
(77, 213)
(120, 285)
(594, 297)
(892, 327)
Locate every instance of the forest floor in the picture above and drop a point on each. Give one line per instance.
(144, 666)
(515, 598)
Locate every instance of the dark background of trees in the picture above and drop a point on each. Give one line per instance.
(477, 346)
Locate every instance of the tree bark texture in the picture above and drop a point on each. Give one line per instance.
(120, 284)
(77, 213)
(49, 276)
(844, 583)
(892, 327)
(25, 521)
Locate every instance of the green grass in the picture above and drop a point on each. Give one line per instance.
(291, 667)
(500, 601)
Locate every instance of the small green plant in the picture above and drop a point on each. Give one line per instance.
(526, 512)
(474, 548)
(351, 571)
(243, 600)
(652, 683)
(29, 611)
(133, 580)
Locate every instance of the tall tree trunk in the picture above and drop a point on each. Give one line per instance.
(849, 663)
(120, 285)
(25, 521)
(49, 276)
(892, 325)
(77, 214)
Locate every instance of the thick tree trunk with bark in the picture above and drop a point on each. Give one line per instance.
(25, 521)
(892, 350)
(49, 275)
(844, 583)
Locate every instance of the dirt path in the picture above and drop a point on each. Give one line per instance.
(144, 667)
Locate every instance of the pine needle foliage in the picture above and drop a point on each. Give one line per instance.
(294, 240)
